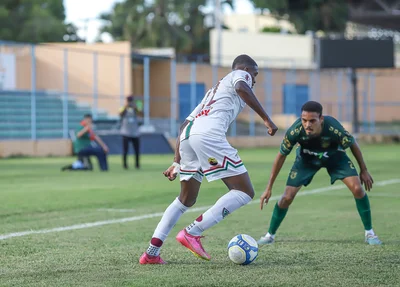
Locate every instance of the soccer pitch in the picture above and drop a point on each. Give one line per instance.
(90, 228)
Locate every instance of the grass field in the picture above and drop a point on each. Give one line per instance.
(320, 243)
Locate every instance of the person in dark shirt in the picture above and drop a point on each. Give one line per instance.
(322, 142)
(130, 130)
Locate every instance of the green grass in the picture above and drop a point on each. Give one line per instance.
(320, 243)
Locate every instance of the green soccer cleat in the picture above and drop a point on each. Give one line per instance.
(372, 240)
(264, 240)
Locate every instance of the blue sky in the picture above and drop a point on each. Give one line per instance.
(79, 10)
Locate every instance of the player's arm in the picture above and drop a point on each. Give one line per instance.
(287, 145)
(276, 168)
(122, 111)
(177, 157)
(101, 143)
(138, 111)
(82, 131)
(172, 171)
(348, 141)
(356, 151)
(365, 177)
(247, 95)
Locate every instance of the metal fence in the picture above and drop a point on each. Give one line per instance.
(45, 90)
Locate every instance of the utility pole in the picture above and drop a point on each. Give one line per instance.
(218, 27)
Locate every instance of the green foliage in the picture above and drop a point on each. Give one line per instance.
(314, 15)
(171, 23)
(271, 30)
(34, 21)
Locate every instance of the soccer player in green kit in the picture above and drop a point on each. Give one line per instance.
(322, 142)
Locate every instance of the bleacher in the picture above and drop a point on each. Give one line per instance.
(15, 114)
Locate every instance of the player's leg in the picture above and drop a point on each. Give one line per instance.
(240, 193)
(191, 179)
(98, 152)
(136, 147)
(300, 174)
(125, 148)
(342, 168)
(278, 215)
(219, 161)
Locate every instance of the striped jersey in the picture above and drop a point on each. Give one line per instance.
(218, 109)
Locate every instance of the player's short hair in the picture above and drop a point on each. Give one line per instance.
(87, 116)
(243, 60)
(312, 106)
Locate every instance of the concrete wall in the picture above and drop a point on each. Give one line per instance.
(329, 87)
(40, 148)
(50, 70)
(255, 23)
(274, 50)
(50, 67)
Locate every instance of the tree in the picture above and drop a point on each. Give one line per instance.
(314, 15)
(148, 24)
(34, 21)
(161, 23)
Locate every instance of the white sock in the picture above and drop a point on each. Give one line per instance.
(224, 206)
(170, 217)
(370, 232)
(270, 235)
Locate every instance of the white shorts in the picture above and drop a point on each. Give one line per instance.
(214, 158)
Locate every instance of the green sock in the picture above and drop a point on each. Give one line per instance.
(364, 210)
(277, 217)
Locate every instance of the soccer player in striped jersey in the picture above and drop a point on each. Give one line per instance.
(203, 150)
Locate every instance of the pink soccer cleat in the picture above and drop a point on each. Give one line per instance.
(148, 259)
(193, 244)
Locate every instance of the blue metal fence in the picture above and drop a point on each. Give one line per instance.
(31, 112)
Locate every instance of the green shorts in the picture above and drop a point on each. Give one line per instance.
(302, 171)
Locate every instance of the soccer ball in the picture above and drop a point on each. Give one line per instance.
(242, 249)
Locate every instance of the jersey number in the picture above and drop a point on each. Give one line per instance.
(211, 101)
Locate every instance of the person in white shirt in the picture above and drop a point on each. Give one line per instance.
(203, 150)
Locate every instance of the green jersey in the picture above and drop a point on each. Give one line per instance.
(317, 150)
(82, 142)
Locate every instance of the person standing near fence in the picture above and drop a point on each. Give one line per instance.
(130, 130)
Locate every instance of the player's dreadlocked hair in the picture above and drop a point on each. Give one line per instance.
(312, 106)
(243, 60)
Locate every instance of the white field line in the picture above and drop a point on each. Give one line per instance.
(159, 214)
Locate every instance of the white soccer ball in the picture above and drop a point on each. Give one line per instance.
(242, 249)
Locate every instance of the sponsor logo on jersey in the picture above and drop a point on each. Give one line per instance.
(212, 161)
(320, 155)
(345, 141)
(287, 143)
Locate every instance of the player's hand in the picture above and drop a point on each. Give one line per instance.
(272, 128)
(105, 149)
(265, 197)
(171, 173)
(366, 180)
